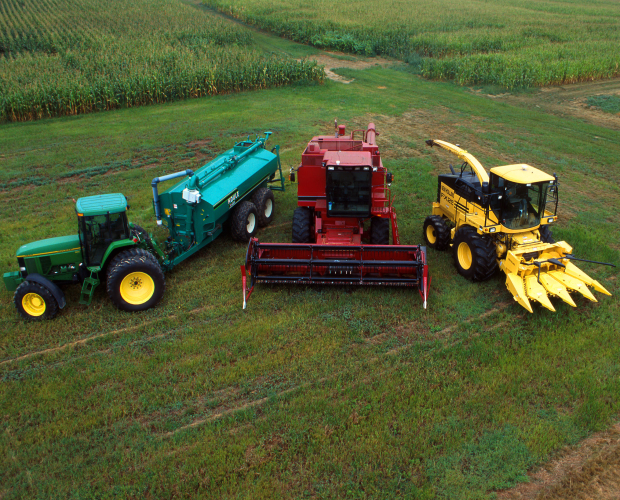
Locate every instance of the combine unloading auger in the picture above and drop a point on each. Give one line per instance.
(502, 220)
(342, 184)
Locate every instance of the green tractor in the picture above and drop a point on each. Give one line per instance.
(235, 186)
(106, 243)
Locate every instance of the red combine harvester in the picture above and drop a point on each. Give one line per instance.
(342, 184)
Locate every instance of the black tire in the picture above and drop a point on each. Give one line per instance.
(243, 224)
(265, 205)
(545, 234)
(474, 255)
(302, 225)
(135, 281)
(34, 301)
(436, 233)
(379, 231)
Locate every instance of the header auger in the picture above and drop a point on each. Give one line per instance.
(502, 220)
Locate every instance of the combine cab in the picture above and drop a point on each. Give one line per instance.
(341, 228)
(502, 220)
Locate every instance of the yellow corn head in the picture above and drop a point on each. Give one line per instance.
(502, 220)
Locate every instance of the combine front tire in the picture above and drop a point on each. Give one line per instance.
(244, 221)
(135, 281)
(474, 255)
(436, 232)
(35, 302)
(379, 231)
(264, 202)
(302, 225)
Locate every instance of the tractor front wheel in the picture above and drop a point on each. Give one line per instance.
(379, 231)
(264, 202)
(135, 281)
(474, 255)
(436, 232)
(35, 302)
(244, 223)
(302, 225)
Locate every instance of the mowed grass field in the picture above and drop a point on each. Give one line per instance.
(503, 42)
(66, 57)
(310, 392)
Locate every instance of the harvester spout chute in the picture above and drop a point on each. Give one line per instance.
(157, 180)
(468, 158)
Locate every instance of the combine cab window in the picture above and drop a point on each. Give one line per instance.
(518, 206)
(348, 191)
(98, 231)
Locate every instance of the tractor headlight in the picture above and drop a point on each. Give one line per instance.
(492, 230)
(22, 269)
(550, 220)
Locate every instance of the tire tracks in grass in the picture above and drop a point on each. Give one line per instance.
(86, 340)
(244, 404)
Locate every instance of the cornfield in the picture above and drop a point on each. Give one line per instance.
(511, 43)
(64, 57)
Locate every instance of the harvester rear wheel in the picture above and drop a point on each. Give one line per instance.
(302, 225)
(436, 232)
(474, 255)
(264, 202)
(135, 281)
(244, 221)
(34, 301)
(379, 231)
(545, 234)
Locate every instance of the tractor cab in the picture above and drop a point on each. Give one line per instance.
(102, 220)
(519, 196)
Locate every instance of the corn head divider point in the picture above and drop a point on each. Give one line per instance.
(502, 221)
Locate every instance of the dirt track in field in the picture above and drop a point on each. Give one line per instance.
(589, 471)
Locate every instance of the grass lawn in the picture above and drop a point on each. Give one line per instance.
(317, 392)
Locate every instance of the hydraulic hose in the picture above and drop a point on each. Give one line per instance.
(163, 178)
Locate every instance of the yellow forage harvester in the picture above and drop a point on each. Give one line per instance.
(502, 220)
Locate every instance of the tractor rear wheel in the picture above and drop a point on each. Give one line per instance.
(436, 232)
(474, 255)
(545, 234)
(135, 281)
(34, 301)
(302, 225)
(379, 231)
(244, 221)
(264, 202)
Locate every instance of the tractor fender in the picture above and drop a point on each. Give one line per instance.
(51, 286)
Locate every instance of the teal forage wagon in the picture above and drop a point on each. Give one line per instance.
(237, 185)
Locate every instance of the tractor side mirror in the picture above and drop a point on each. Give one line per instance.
(485, 187)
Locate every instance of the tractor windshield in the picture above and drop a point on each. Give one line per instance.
(518, 206)
(348, 191)
(98, 231)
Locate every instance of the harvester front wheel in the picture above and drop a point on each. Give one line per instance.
(264, 202)
(474, 255)
(436, 232)
(379, 231)
(135, 281)
(545, 235)
(302, 225)
(244, 221)
(35, 302)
